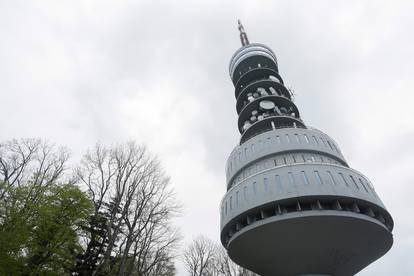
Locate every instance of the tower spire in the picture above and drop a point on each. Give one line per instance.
(243, 35)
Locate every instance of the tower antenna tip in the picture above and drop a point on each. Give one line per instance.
(243, 36)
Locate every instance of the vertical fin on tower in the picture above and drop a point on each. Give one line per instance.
(243, 35)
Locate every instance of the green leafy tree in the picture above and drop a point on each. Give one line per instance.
(41, 237)
(40, 220)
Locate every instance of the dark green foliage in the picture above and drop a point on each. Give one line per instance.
(39, 235)
(96, 231)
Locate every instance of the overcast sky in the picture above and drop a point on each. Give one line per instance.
(78, 72)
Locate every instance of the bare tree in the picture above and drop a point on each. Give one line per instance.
(199, 256)
(226, 267)
(203, 257)
(30, 160)
(132, 193)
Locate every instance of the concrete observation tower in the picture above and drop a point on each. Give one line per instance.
(293, 205)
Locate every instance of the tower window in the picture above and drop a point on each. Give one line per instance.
(353, 180)
(255, 187)
(287, 138)
(363, 185)
(306, 138)
(245, 193)
(323, 141)
(297, 138)
(329, 143)
(291, 178)
(318, 177)
(316, 140)
(331, 177)
(278, 182)
(266, 184)
(343, 179)
(278, 139)
(370, 186)
(305, 178)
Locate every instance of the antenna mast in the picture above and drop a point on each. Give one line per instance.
(243, 35)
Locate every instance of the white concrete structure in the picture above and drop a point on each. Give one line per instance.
(293, 205)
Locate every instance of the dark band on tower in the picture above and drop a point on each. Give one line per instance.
(263, 101)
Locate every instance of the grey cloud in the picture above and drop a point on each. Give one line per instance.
(156, 71)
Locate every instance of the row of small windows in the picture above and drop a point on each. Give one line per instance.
(295, 180)
(278, 139)
(303, 206)
(280, 160)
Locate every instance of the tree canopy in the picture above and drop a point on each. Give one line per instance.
(109, 215)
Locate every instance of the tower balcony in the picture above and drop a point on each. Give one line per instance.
(267, 85)
(255, 74)
(251, 56)
(305, 218)
(271, 123)
(278, 102)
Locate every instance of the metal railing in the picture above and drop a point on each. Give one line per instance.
(244, 139)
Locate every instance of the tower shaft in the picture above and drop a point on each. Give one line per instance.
(293, 205)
